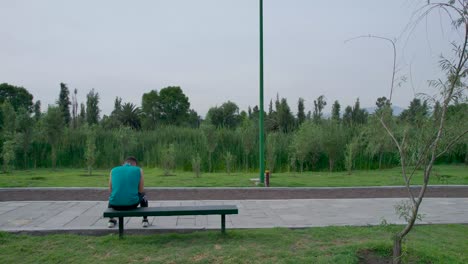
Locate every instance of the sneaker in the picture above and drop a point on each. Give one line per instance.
(111, 223)
(145, 223)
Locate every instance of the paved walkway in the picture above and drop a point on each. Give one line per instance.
(87, 215)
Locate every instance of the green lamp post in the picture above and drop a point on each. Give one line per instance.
(261, 119)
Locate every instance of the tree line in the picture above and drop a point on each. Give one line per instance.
(166, 132)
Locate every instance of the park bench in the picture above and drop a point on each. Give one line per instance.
(222, 210)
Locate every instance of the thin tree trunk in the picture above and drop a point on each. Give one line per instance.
(397, 249)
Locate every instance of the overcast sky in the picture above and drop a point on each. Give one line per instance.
(210, 49)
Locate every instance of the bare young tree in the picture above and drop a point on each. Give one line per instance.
(420, 142)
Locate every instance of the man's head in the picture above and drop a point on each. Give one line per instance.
(131, 160)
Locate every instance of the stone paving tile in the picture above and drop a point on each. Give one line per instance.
(25, 214)
(252, 214)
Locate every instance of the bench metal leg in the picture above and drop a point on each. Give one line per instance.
(121, 226)
(223, 223)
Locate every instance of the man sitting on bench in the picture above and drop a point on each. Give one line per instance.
(126, 185)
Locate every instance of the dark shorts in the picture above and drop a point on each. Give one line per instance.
(143, 203)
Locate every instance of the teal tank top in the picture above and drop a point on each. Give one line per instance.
(125, 180)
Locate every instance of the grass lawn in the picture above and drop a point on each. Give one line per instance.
(443, 174)
(426, 244)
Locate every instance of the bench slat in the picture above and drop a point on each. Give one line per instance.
(174, 210)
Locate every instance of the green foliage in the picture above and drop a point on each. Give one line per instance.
(150, 110)
(229, 158)
(8, 153)
(271, 149)
(24, 135)
(64, 103)
(249, 140)
(333, 140)
(301, 116)
(173, 106)
(53, 127)
(169, 162)
(130, 116)
(227, 115)
(8, 119)
(37, 110)
(319, 105)
(90, 152)
(350, 153)
(306, 143)
(196, 165)
(92, 108)
(17, 96)
(336, 111)
(211, 141)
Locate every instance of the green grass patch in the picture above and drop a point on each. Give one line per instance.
(426, 244)
(443, 174)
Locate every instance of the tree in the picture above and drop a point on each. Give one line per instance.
(319, 104)
(333, 139)
(378, 142)
(227, 115)
(416, 111)
(174, 105)
(151, 109)
(336, 111)
(382, 102)
(64, 103)
(53, 127)
(37, 110)
(8, 119)
(130, 116)
(75, 109)
(425, 140)
(194, 120)
(18, 97)
(8, 134)
(306, 143)
(348, 116)
(300, 112)
(24, 135)
(359, 116)
(92, 107)
(8, 153)
(82, 115)
(285, 117)
(90, 151)
(270, 107)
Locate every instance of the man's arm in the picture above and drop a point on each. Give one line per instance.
(110, 182)
(141, 186)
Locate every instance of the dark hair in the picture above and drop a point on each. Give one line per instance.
(131, 159)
